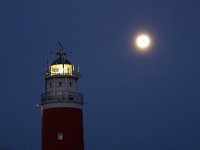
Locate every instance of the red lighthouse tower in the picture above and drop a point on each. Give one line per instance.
(62, 117)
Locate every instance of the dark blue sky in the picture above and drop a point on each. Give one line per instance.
(134, 101)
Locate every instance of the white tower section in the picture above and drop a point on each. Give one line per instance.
(61, 85)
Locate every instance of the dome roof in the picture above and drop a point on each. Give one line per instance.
(61, 60)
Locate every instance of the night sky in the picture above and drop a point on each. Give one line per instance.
(134, 101)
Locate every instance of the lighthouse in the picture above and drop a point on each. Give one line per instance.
(61, 106)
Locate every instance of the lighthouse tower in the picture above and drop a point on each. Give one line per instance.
(61, 106)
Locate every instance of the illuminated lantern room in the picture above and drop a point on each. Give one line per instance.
(61, 66)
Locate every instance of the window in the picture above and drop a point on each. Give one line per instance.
(70, 84)
(60, 83)
(71, 97)
(60, 136)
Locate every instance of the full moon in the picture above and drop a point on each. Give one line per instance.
(143, 41)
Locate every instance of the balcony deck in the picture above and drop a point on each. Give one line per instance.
(63, 96)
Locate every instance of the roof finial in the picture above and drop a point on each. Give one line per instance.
(61, 47)
(61, 52)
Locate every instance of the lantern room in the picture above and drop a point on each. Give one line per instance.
(61, 66)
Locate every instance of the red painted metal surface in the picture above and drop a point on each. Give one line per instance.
(69, 122)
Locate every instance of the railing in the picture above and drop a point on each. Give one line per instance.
(62, 96)
(74, 74)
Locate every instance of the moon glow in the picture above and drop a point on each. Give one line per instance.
(143, 41)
